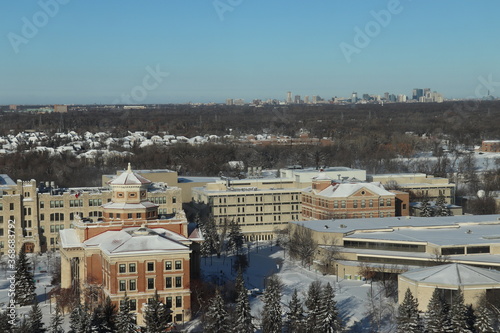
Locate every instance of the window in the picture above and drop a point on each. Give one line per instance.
(388, 202)
(178, 317)
(133, 305)
(335, 204)
(131, 268)
(151, 283)
(371, 202)
(1, 206)
(42, 217)
(132, 284)
(174, 200)
(168, 265)
(111, 215)
(123, 285)
(11, 206)
(381, 202)
(343, 204)
(178, 264)
(178, 301)
(42, 205)
(168, 302)
(122, 268)
(129, 215)
(355, 204)
(139, 215)
(150, 266)
(178, 281)
(57, 217)
(168, 282)
(363, 203)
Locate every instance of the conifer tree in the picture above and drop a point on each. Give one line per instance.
(216, 315)
(212, 241)
(155, 316)
(125, 319)
(458, 314)
(35, 319)
(441, 208)
(438, 320)
(56, 322)
(5, 323)
(295, 316)
(484, 320)
(313, 305)
(79, 320)
(235, 237)
(271, 314)
(328, 318)
(408, 318)
(426, 209)
(108, 314)
(25, 284)
(243, 317)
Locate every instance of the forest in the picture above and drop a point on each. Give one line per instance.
(369, 137)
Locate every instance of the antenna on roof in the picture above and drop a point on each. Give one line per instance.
(129, 168)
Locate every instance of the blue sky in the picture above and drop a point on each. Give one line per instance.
(97, 51)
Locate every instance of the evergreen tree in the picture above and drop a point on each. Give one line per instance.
(328, 319)
(441, 207)
(243, 317)
(5, 325)
(426, 208)
(79, 320)
(25, 284)
(313, 306)
(271, 314)
(125, 319)
(155, 316)
(35, 319)
(235, 237)
(108, 314)
(295, 316)
(408, 318)
(216, 315)
(458, 314)
(484, 320)
(438, 320)
(56, 322)
(212, 241)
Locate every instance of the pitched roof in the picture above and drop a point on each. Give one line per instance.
(129, 178)
(346, 190)
(454, 275)
(137, 240)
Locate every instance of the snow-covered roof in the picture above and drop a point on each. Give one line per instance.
(138, 239)
(454, 275)
(69, 238)
(346, 190)
(124, 205)
(129, 178)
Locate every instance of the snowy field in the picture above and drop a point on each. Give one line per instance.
(265, 260)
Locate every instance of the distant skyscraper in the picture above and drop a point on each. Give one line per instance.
(386, 96)
(417, 93)
(297, 99)
(229, 101)
(315, 99)
(289, 97)
(239, 102)
(306, 99)
(354, 97)
(61, 108)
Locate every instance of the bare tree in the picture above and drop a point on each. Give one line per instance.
(438, 258)
(331, 253)
(302, 245)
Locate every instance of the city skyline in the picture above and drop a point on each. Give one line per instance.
(70, 52)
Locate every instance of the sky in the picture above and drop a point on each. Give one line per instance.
(178, 51)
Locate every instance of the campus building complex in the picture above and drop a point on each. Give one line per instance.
(132, 250)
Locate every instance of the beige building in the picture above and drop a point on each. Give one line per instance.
(259, 209)
(396, 243)
(40, 210)
(491, 146)
(419, 185)
(131, 250)
(304, 176)
(474, 282)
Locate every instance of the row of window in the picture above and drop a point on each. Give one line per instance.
(168, 303)
(72, 203)
(170, 282)
(150, 266)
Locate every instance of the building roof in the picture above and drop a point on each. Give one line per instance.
(69, 238)
(124, 205)
(138, 239)
(345, 190)
(129, 178)
(454, 275)
(6, 180)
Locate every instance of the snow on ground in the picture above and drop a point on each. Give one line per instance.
(266, 260)
(44, 264)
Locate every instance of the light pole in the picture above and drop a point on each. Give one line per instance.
(45, 294)
(337, 271)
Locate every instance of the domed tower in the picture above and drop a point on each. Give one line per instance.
(129, 200)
